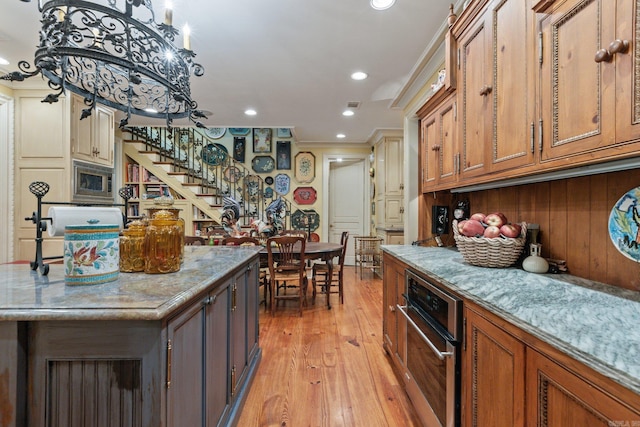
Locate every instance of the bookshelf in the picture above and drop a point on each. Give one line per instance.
(146, 187)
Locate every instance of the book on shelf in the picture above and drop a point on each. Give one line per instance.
(133, 172)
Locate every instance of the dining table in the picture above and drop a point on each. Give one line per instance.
(324, 251)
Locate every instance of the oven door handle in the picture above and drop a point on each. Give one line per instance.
(441, 355)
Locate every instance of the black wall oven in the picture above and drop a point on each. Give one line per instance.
(434, 336)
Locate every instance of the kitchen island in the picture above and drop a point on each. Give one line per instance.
(555, 340)
(148, 350)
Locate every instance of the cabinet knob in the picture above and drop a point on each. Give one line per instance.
(435, 147)
(619, 46)
(603, 55)
(486, 90)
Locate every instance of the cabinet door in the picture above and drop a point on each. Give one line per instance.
(513, 90)
(493, 378)
(81, 131)
(438, 146)
(577, 93)
(627, 72)
(239, 342)
(103, 140)
(394, 327)
(393, 211)
(394, 168)
(389, 300)
(186, 367)
(475, 100)
(558, 398)
(429, 152)
(218, 383)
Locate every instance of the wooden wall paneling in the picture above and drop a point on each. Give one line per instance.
(508, 204)
(542, 206)
(526, 206)
(577, 236)
(598, 246)
(554, 236)
(621, 271)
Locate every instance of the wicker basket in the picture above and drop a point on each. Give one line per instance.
(497, 252)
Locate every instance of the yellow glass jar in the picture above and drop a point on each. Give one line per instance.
(132, 247)
(166, 203)
(162, 244)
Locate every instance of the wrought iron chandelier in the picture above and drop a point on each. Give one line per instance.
(101, 51)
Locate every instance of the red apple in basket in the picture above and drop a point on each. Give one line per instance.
(497, 219)
(472, 228)
(460, 225)
(492, 231)
(511, 230)
(478, 216)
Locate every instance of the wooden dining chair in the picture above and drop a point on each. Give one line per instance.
(238, 241)
(264, 268)
(195, 241)
(287, 270)
(321, 273)
(294, 233)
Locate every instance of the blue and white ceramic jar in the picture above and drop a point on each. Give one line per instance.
(91, 253)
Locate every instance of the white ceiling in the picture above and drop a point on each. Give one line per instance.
(290, 60)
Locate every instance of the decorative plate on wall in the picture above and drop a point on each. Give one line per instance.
(283, 183)
(307, 219)
(268, 193)
(214, 154)
(305, 195)
(239, 131)
(232, 174)
(269, 180)
(305, 167)
(624, 224)
(263, 164)
(215, 133)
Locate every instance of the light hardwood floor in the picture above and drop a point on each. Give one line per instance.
(328, 368)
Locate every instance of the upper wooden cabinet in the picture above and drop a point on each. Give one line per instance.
(92, 138)
(438, 145)
(589, 96)
(496, 91)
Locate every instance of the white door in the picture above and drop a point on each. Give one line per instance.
(347, 202)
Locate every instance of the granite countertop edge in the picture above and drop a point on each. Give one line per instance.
(503, 291)
(134, 296)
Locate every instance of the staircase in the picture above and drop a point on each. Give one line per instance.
(203, 178)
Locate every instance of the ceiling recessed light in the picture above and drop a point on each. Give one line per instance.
(341, 135)
(348, 113)
(382, 4)
(359, 75)
(3, 61)
(250, 112)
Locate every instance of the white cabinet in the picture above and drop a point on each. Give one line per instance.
(389, 197)
(92, 138)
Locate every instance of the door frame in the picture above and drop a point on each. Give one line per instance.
(326, 170)
(7, 196)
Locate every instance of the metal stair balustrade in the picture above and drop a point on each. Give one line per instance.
(176, 157)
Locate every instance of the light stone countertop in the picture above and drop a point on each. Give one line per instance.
(26, 295)
(594, 323)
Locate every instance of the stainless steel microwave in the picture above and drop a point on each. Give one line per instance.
(92, 183)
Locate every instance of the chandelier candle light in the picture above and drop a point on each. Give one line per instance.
(101, 51)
